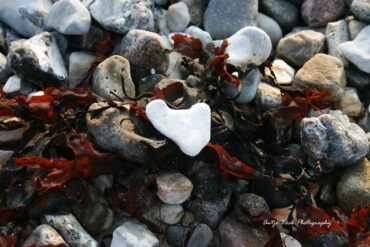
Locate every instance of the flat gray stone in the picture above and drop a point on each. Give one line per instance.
(271, 27)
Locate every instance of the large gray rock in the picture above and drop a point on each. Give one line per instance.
(337, 33)
(322, 72)
(71, 231)
(353, 188)
(333, 141)
(223, 18)
(283, 11)
(133, 234)
(117, 131)
(113, 75)
(234, 233)
(318, 13)
(358, 50)
(361, 9)
(271, 27)
(79, 64)
(27, 17)
(145, 50)
(69, 17)
(44, 235)
(122, 16)
(38, 59)
(4, 69)
(298, 48)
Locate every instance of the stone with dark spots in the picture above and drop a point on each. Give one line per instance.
(318, 13)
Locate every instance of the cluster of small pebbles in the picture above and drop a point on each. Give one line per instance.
(312, 44)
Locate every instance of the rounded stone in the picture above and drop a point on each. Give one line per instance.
(44, 235)
(69, 17)
(283, 11)
(361, 9)
(298, 48)
(324, 73)
(271, 27)
(173, 188)
(145, 50)
(178, 17)
(110, 76)
(249, 46)
(353, 187)
(223, 18)
(318, 13)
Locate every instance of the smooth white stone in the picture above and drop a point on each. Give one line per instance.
(248, 46)
(190, 129)
(284, 72)
(173, 188)
(132, 234)
(69, 17)
(196, 32)
(358, 50)
(13, 84)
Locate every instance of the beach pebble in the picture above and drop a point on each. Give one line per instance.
(173, 188)
(198, 33)
(122, 16)
(234, 233)
(337, 33)
(27, 17)
(15, 86)
(355, 28)
(44, 235)
(5, 156)
(114, 130)
(268, 96)
(350, 103)
(79, 64)
(69, 17)
(284, 73)
(271, 27)
(201, 236)
(234, 14)
(132, 233)
(170, 214)
(283, 11)
(178, 17)
(71, 231)
(249, 205)
(358, 50)
(289, 241)
(361, 9)
(4, 69)
(322, 72)
(110, 76)
(336, 143)
(145, 50)
(247, 88)
(318, 13)
(299, 47)
(39, 60)
(249, 46)
(353, 187)
(171, 123)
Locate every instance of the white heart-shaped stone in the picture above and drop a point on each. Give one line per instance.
(190, 129)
